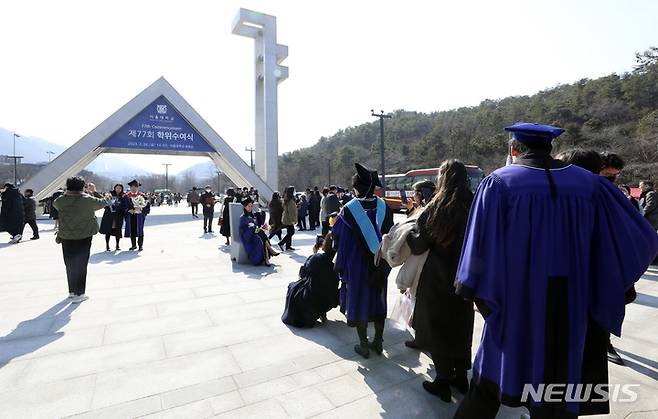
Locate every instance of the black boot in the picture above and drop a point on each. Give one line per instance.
(613, 356)
(439, 388)
(460, 382)
(377, 342)
(362, 348)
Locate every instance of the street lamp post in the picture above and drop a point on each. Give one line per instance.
(219, 185)
(251, 155)
(15, 158)
(50, 154)
(166, 165)
(381, 117)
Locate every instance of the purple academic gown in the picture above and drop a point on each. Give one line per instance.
(537, 267)
(358, 300)
(251, 241)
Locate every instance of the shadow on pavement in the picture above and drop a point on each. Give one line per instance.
(253, 272)
(113, 257)
(646, 300)
(633, 362)
(30, 335)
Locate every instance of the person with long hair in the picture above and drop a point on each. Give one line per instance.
(276, 212)
(316, 291)
(225, 220)
(289, 218)
(112, 220)
(444, 321)
(357, 234)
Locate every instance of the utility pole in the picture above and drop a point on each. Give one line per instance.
(381, 117)
(251, 155)
(166, 165)
(49, 153)
(329, 170)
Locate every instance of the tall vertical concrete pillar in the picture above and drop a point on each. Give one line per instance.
(268, 56)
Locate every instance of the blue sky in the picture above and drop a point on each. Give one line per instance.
(68, 65)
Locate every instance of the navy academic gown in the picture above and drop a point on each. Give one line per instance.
(126, 204)
(252, 241)
(540, 267)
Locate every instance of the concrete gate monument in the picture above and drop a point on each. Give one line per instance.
(160, 121)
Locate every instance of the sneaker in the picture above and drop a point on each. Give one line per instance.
(79, 298)
(34, 238)
(140, 249)
(71, 295)
(15, 239)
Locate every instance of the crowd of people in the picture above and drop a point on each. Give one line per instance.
(547, 251)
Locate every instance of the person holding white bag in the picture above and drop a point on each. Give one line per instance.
(443, 320)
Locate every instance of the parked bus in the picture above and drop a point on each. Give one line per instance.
(403, 182)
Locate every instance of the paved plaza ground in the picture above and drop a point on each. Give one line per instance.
(178, 331)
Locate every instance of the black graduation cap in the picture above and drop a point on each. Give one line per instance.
(366, 179)
(134, 183)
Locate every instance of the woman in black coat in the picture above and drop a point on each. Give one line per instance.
(12, 213)
(444, 321)
(276, 212)
(316, 292)
(112, 220)
(225, 229)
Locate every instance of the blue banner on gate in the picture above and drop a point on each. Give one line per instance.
(160, 127)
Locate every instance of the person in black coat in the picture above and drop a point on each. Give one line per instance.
(225, 229)
(30, 214)
(207, 200)
(12, 216)
(276, 212)
(316, 292)
(443, 320)
(113, 216)
(54, 213)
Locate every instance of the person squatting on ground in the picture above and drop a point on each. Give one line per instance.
(254, 239)
(357, 233)
(316, 291)
(539, 282)
(77, 227)
(113, 215)
(136, 208)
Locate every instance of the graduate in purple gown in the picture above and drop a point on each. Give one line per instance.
(357, 234)
(549, 246)
(254, 239)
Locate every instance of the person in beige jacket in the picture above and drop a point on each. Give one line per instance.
(77, 226)
(289, 218)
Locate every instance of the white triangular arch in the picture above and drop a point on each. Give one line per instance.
(85, 150)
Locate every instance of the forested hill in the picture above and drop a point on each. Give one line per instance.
(617, 113)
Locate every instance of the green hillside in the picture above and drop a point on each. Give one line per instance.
(617, 113)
